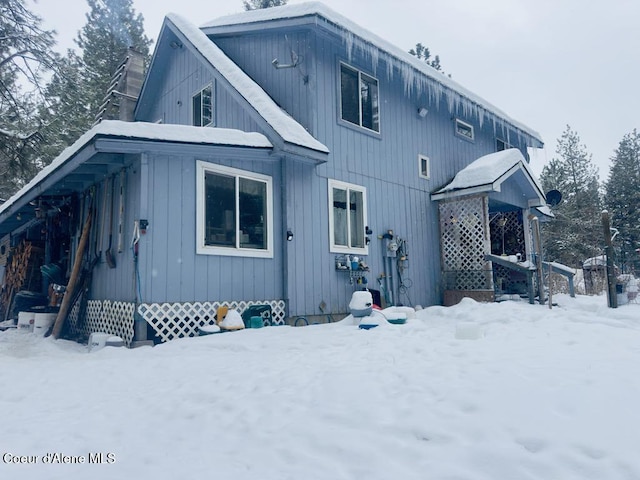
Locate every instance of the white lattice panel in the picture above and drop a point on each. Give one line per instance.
(175, 320)
(464, 242)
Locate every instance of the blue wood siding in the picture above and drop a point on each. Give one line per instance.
(186, 74)
(170, 269)
(386, 164)
(117, 283)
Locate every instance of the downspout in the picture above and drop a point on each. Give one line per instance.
(139, 323)
(284, 227)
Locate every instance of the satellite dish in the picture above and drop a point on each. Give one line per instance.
(554, 197)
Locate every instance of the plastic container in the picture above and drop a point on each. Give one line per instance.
(208, 330)
(255, 322)
(398, 318)
(42, 322)
(25, 321)
(361, 304)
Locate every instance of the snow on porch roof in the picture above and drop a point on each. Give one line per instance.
(415, 72)
(142, 131)
(289, 129)
(487, 173)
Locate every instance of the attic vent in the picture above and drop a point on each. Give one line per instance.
(124, 89)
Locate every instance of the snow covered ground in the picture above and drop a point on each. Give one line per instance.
(541, 394)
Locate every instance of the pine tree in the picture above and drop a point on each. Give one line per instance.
(112, 27)
(423, 53)
(622, 199)
(575, 233)
(76, 93)
(67, 113)
(25, 56)
(258, 4)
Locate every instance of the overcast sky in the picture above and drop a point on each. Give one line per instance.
(546, 63)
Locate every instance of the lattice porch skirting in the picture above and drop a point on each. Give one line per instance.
(115, 318)
(175, 320)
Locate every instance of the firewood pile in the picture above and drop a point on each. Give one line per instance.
(22, 272)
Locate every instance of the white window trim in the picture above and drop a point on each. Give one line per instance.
(420, 172)
(201, 169)
(213, 114)
(333, 248)
(346, 122)
(469, 126)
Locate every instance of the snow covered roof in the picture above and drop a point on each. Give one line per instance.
(599, 261)
(142, 131)
(487, 173)
(415, 72)
(284, 125)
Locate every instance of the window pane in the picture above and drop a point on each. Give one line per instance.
(350, 97)
(356, 218)
(197, 110)
(369, 96)
(340, 217)
(207, 107)
(253, 214)
(220, 210)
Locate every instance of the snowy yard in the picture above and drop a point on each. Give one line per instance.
(542, 394)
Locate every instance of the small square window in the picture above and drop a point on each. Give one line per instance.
(424, 166)
(464, 130)
(202, 107)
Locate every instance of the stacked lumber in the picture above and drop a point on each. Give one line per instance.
(22, 272)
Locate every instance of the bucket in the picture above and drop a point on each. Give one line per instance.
(42, 322)
(25, 321)
(361, 303)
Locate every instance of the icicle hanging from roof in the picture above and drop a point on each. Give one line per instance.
(416, 80)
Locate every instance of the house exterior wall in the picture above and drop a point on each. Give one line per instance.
(117, 284)
(170, 268)
(385, 164)
(186, 74)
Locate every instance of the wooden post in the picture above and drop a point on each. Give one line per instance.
(73, 279)
(550, 289)
(611, 274)
(537, 245)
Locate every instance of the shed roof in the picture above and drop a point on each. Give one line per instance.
(70, 161)
(416, 73)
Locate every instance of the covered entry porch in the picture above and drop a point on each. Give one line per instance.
(488, 218)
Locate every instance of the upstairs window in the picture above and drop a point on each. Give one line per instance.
(464, 130)
(501, 145)
(424, 166)
(347, 217)
(359, 100)
(234, 211)
(202, 107)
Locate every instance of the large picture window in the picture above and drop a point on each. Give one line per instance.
(235, 212)
(202, 107)
(347, 217)
(359, 98)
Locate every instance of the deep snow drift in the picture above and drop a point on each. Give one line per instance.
(541, 394)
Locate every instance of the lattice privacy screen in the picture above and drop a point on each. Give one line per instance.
(174, 320)
(464, 242)
(507, 234)
(105, 316)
